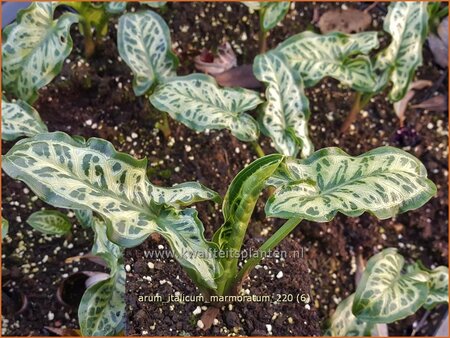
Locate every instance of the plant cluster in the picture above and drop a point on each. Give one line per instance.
(111, 193)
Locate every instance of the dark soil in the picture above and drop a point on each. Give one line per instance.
(95, 98)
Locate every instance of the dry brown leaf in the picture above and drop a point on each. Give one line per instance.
(345, 21)
(241, 76)
(436, 103)
(216, 64)
(439, 44)
(400, 106)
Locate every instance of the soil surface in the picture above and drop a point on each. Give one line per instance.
(94, 98)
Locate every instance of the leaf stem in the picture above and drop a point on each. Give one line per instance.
(164, 126)
(360, 101)
(268, 245)
(89, 44)
(262, 40)
(259, 151)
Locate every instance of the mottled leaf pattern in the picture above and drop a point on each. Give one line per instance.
(198, 102)
(143, 40)
(5, 227)
(114, 185)
(115, 7)
(34, 49)
(384, 181)
(154, 4)
(104, 248)
(315, 56)
(438, 287)
(384, 294)
(407, 22)
(272, 13)
(344, 323)
(102, 307)
(183, 194)
(20, 119)
(286, 112)
(50, 222)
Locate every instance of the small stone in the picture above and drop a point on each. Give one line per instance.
(200, 324)
(269, 328)
(127, 268)
(150, 265)
(280, 274)
(51, 315)
(197, 310)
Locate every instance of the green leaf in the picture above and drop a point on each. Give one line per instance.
(286, 112)
(50, 222)
(384, 294)
(407, 22)
(102, 307)
(5, 227)
(238, 206)
(273, 13)
(35, 48)
(20, 119)
(91, 13)
(253, 5)
(385, 182)
(143, 40)
(85, 217)
(438, 287)
(198, 102)
(73, 174)
(344, 323)
(104, 248)
(115, 7)
(316, 56)
(183, 194)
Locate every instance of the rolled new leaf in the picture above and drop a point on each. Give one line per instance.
(384, 182)
(34, 49)
(20, 119)
(198, 102)
(344, 323)
(75, 174)
(50, 222)
(111, 253)
(384, 294)
(407, 23)
(285, 114)
(85, 217)
(143, 40)
(315, 56)
(102, 307)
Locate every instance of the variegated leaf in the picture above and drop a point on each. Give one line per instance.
(143, 40)
(286, 112)
(384, 181)
(438, 287)
(407, 22)
(198, 102)
(183, 194)
(102, 307)
(344, 323)
(35, 48)
(5, 227)
(50, 222)
(85, 217)
(20, 119)
(272, 13)
(154, 4)
(384, 294)
(253, 5)
(73, 174)
(115, 7)
(104, 248)
(315, 56)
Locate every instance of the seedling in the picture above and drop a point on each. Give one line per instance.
(385, 294)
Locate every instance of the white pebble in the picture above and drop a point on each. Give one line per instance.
(280, 274)
(51, 315)
(197, 310)
(200, 324)
(269, 328)
(150, 265)
(127, 268)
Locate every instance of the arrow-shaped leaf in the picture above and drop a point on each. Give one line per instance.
(20, 119)
(74, 174)
(115, 7)
(198, 102)
(315, 56)
(50, 222)
(35, 48)
(384, 294)
(273, 13)
(384, 181)
(407, 22)
(286, 112)
(143, 40)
